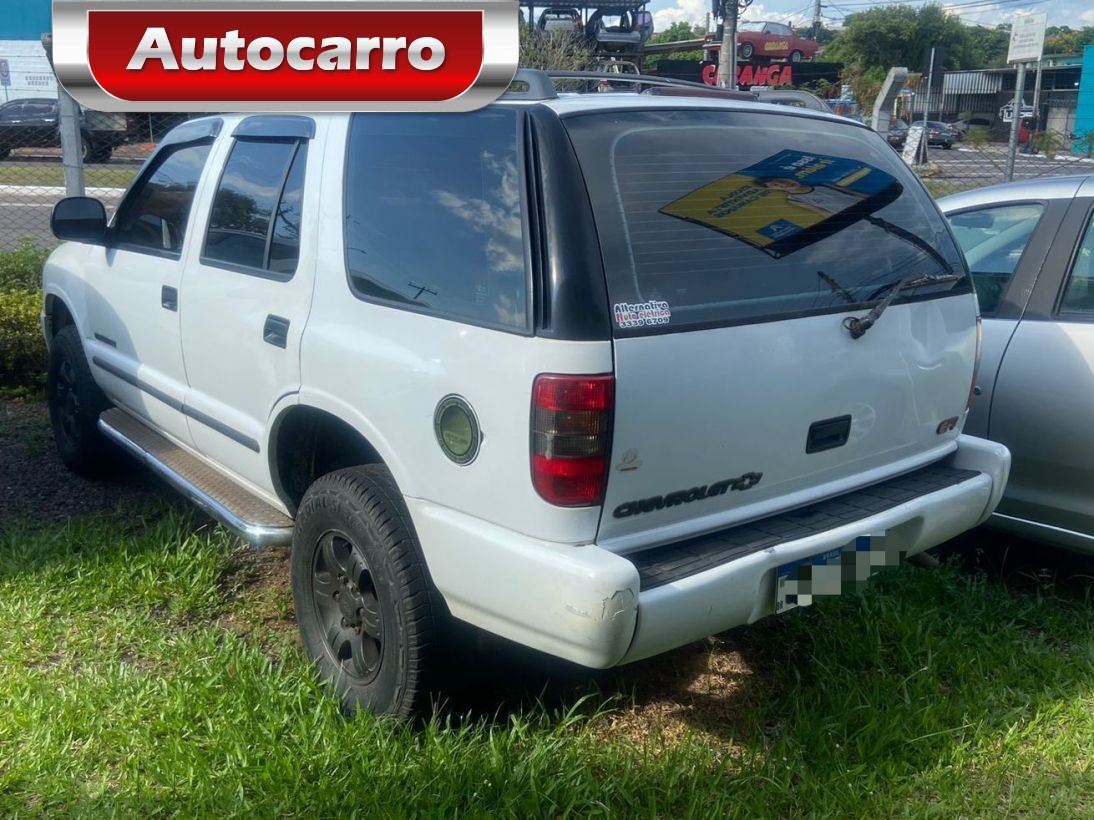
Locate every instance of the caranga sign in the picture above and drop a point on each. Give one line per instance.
(285, 55)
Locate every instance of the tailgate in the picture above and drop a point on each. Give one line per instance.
(735, 244)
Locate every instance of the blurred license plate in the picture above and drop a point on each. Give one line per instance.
(799, 582)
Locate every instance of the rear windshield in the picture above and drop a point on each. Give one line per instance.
(711, 218)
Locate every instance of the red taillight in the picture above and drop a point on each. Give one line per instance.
(571, 437)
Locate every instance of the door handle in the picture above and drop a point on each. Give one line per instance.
(169, 297)
(276, 331)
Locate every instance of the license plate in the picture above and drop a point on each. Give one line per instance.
(829, 573)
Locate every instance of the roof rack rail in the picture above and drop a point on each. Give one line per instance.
(541, 84)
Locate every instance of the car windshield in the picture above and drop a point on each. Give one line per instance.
(733, 216)
(750, 26)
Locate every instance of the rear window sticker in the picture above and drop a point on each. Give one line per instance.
(787, 201)
(641, 314)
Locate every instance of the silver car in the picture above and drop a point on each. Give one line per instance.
(1030, 247)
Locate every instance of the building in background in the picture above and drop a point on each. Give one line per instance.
(1084, 112)
(24, 68)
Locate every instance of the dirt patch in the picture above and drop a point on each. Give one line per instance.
(35, 484)
(259, 593)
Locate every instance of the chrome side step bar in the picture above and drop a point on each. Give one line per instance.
(234, 506)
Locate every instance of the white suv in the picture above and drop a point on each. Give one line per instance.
(602, 374)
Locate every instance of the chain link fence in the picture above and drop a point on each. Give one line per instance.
(979, 158)
(111, 147)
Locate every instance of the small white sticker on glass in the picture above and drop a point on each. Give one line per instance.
(641, 314)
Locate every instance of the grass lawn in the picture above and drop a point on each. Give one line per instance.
(149, 664)
(51, 174)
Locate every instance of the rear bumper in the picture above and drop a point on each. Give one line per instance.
(592, 606)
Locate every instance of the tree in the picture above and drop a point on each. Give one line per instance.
(677, 32)
(825, 35)
(989, 45)
(553, 51)
(1066, 40)
(888, 36)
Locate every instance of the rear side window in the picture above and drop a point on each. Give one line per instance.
(994, 240)
(255, 219)
(1079, 296)
(153, 216)
(711, 218)
(434, 217)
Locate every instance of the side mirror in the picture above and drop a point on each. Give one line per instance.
(79, 219)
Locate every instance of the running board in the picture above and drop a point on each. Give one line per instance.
(234, 506)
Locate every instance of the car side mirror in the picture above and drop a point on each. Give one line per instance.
(79, 219)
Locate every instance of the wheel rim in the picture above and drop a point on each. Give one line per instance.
(347, 606)
(68, 402)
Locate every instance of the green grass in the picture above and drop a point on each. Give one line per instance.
(145, 669)
(52, 175)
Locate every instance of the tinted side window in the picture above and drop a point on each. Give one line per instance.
(993, 240)
(1079, 296)
(285, 243)
(154, 213)
(433, 214)
(256, 180)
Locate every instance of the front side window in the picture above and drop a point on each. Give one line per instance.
(255, 219)
(1079, 296)
(710, 218)
(154, 214)
(433, 215)
(994, 240)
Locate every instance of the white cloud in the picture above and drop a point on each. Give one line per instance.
(1087, 16)
(695, 12)
(688, 11)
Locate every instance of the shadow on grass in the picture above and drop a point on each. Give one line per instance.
(874, 686)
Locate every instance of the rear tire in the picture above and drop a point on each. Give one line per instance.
(75, 402)
(369, 616)
(795, 56)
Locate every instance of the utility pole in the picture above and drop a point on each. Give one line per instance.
(72, 154)
(927, 104)
(1037, 99)
(1019, 97)
(816, 19)
(727, 55)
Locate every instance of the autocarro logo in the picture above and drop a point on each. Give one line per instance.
(285, 55)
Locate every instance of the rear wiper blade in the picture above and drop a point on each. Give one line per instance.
(858, 325)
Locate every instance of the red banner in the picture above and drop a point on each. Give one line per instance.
(317, 55)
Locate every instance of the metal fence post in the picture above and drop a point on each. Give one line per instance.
(72, 148)
(1016, 122)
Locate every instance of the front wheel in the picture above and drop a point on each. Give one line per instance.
(368, 614)
(75, 402)
(746, 51)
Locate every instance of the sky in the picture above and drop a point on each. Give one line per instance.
(1074, 13)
